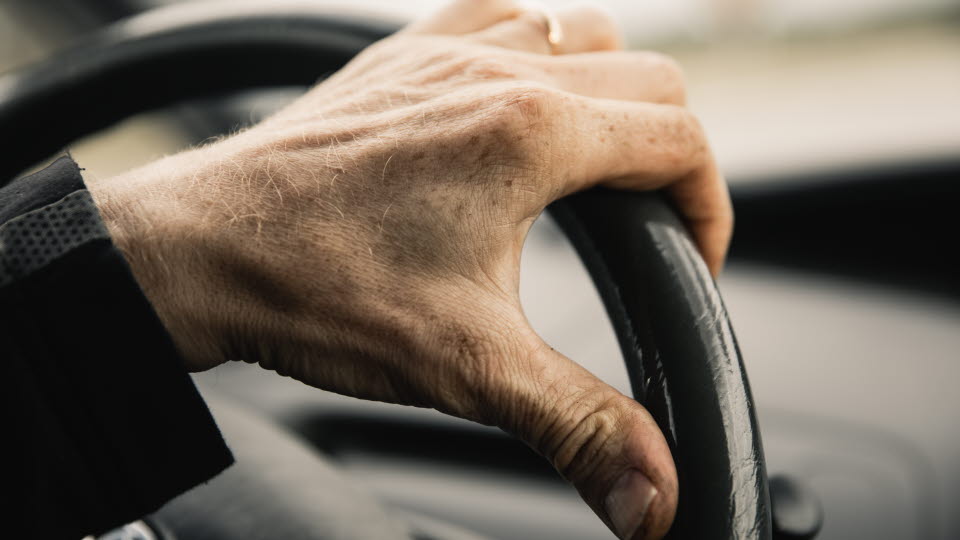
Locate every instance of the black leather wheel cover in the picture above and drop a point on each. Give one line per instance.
(674, 333)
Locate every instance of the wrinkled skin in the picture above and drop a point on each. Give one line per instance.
(366, 239)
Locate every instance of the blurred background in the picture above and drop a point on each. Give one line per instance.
(838, 127)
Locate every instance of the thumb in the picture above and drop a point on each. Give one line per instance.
(603, 442)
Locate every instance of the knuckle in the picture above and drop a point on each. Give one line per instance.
(520, 119)
(485, 68)
(665, 64)
(532, 23)
(693, 131)
(587, 444)
(477, 66)
(667, 75)
(524, 107)
(468, 66)
(445, 65)
(686, 138)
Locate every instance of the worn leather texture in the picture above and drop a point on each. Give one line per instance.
(674, 333)
(681, 355)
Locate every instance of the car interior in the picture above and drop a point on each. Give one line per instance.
(838, 128)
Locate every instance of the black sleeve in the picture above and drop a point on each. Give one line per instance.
(104, 423)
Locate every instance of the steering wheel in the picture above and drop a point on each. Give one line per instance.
(679, 347)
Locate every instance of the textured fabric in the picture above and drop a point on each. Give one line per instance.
(100, 419)
(27, 192)
(31, 241)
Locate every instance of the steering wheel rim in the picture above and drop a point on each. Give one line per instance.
(673, 330)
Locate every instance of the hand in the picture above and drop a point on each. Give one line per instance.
(367, 238)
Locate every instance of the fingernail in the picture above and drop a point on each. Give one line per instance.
(628, 501)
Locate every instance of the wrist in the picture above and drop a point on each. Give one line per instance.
(153, 232)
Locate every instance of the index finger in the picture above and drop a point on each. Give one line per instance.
(704, 200)
(646, 146)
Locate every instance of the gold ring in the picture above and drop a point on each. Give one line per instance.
(554, 30)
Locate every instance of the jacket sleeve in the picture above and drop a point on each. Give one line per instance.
(104, 423)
